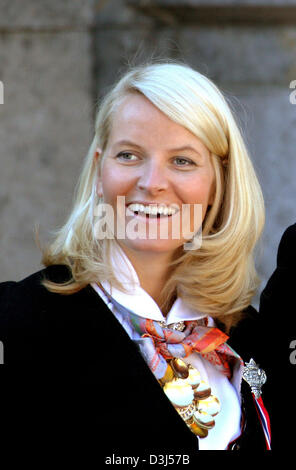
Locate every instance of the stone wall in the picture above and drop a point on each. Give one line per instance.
(45, 121)
(55, 62)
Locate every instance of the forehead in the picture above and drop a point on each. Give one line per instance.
(137, 117)
(136, 110)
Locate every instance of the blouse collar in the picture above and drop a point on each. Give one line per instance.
(137, 299)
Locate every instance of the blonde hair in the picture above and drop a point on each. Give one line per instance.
(219, 278)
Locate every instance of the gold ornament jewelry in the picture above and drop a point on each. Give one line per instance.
(191, 396)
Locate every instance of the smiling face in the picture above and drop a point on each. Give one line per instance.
(154, 162)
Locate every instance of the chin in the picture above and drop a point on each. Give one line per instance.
(152, 246)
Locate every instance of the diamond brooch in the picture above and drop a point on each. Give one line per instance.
(255, 377)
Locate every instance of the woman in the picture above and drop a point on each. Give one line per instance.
(150, 275)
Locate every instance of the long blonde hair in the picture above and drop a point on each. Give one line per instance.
(219, 278)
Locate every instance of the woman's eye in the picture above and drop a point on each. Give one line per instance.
(127, 157)
(183, 161)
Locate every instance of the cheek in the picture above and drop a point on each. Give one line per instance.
(198, 191)
(114, 183)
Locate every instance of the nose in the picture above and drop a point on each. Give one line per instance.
(153, 178)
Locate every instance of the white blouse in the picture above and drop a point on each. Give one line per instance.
(227, 427)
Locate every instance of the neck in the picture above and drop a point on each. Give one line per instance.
(153, 271)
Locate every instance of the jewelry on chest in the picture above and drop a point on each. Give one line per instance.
(190, 395)
(255, 377)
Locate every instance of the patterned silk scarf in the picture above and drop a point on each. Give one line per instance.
(159, 344)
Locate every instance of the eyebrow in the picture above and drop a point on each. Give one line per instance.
(179, 149)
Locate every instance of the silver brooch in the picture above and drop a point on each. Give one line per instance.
(179, 326)
(254, 376)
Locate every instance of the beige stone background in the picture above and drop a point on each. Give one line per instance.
(58, 57)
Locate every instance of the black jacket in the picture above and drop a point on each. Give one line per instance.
(72, 373)
(278, 312)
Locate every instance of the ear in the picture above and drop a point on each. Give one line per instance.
(99, 189)
(97, 153)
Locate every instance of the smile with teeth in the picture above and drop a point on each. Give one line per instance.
(153, 210)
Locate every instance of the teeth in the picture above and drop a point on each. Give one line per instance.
(153, 210)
